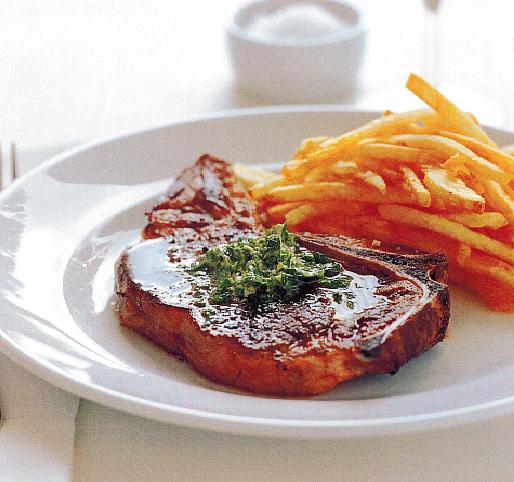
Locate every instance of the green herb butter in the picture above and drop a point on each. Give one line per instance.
(267, 269)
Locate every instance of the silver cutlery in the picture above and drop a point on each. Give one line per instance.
(10, 172)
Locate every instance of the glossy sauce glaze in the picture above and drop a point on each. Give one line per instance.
(369, 304)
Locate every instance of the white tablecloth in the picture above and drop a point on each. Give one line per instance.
(112, 446)
(37, 427)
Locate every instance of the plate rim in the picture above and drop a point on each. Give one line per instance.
(216, 114)
(259, 426)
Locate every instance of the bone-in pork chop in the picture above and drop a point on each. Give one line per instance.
(396, 305)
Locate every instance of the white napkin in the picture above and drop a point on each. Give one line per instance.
(38, 427)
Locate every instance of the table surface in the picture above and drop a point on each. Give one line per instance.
(145, 450)
(73, 71)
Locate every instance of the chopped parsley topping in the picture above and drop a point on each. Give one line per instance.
(268, 269)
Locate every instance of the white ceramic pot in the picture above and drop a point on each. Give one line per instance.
(312, 69)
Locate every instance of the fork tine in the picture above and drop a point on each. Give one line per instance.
(1, 168)
(14, 161)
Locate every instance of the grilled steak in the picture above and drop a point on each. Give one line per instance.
(399, 306)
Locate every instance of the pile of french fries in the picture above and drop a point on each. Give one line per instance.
(428, 179)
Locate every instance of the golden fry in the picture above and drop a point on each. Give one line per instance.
(476, 164)
(456, 164)
(391, 152)
(387, 125)
(476, 185)
(332, 219)
(491, 153)
(372, 179)
(463, 254)
(499, 199)
(491, 220)
(309, 145)
(321, 173)
(301, 213)
(323, 191)
(258, 191)
(441, 225)
(389, 174)
(451, 192)
(477, 262)
(412, 184)
(458, 120)
(277, 213)
(344, 168)
(249, 176)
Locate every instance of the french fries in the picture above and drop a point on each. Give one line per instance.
(260, 189)
(299, 214)
(449, 147)
(325, 191)
(412, 184)
(373, 180)
(492, 220)
(331, 150)
(250, 176)
(451, 192)
(502, 159)
(396, 154)
(430, 179)
(452, 229)
(303, 212)
(460, 121)
(277, 214)
(499, 199)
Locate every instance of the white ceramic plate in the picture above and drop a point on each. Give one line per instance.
(63, 226)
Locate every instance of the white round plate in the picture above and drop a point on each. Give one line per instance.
(63, 226)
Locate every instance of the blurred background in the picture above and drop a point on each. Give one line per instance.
(75, 70)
